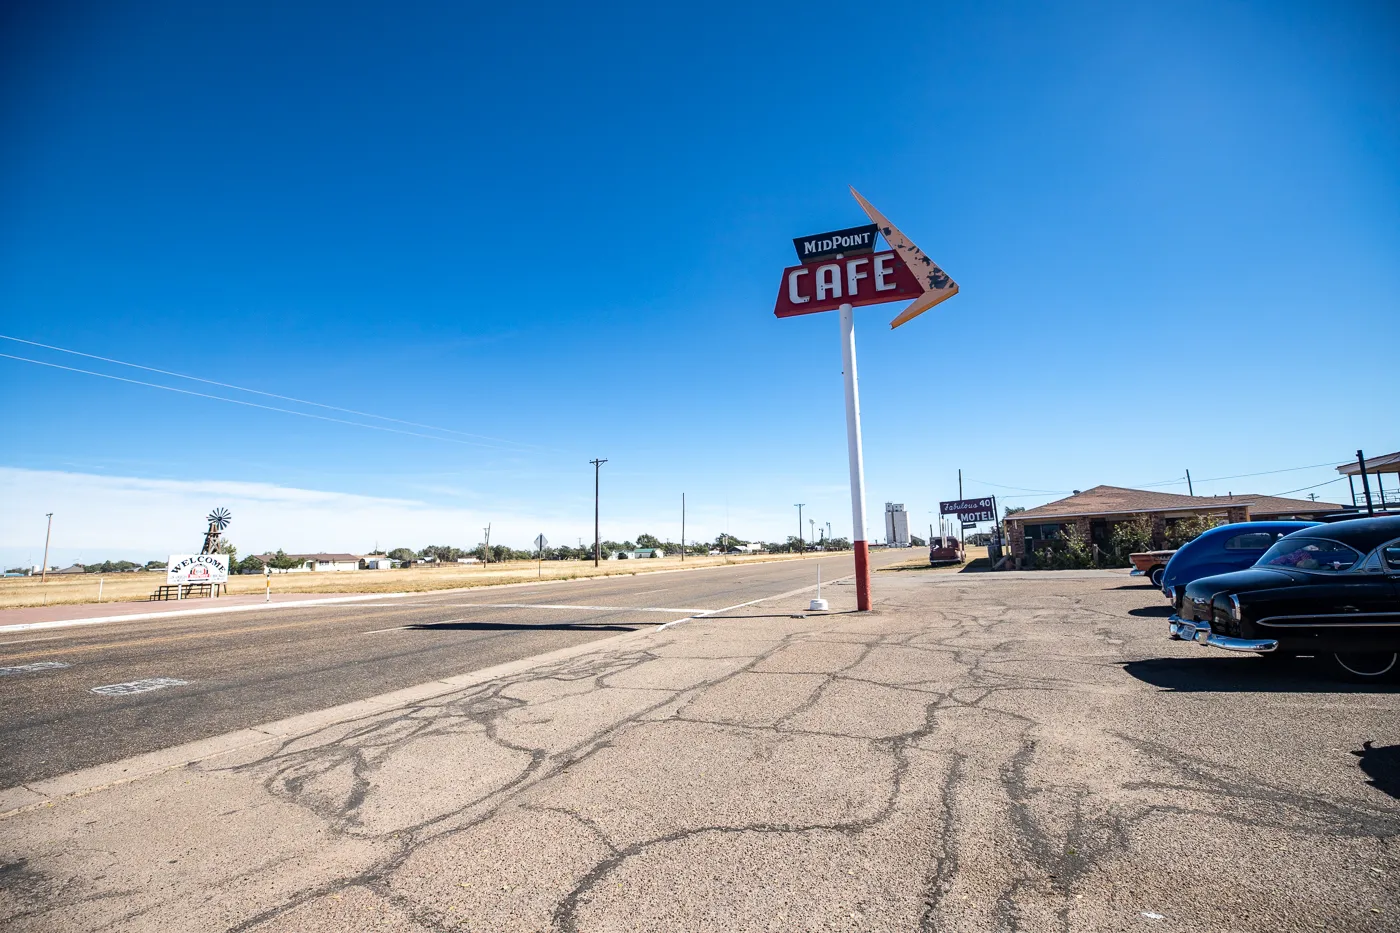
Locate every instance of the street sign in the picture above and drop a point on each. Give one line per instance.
(855, 280)
(970, 510)
(848, 242)
(541, 543)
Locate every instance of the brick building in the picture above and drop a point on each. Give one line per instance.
(1095, 512)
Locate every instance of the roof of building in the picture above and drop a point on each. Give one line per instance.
(1116, 500)
(72, 568)
(1385, 463)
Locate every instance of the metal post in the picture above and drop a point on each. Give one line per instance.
(488, 544)
(801, 543)
(1351, 481)
(1365, 483)
(597, 539)
(267, 572)
(855, 457)
(99, 589)
(44, 570)
(959, 484)
(682, 527)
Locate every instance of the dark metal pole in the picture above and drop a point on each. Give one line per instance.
(1365, 483)
(1189, 488)
(597, 545)
(682, 527)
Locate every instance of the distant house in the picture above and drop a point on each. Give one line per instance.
(469, 560)
(376, 562)
(641, 553)
(317, 563)
(74, 568)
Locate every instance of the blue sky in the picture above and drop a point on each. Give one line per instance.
(1176, 233)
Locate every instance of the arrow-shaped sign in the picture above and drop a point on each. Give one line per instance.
(935, 282)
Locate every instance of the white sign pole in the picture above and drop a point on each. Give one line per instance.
(848, 368)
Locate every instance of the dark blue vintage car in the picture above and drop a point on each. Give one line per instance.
(1222, 550)
(1332, 591)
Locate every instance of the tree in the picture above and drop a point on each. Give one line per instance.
(1188, 529)
(1013, 509)
(283, 561)
(645, 541)
(442, 552)
(401, 554)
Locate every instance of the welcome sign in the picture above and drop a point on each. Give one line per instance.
(197, 568)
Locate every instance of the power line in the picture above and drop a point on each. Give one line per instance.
(235, 401)
(227, 385)
(1315, 466)
(1314, 486)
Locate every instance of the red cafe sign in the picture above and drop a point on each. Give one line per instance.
(827, 284)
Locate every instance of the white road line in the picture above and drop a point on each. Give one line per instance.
(138, 686)
(397, 628)
(246, 607)
(30, 668)
(582, 608)
(712, 612)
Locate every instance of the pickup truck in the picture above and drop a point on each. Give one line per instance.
(1151, 564)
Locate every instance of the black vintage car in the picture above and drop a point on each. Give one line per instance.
(1330, 590)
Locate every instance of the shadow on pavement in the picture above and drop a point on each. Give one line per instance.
(1132, 586)
(1382, 766)
(1244, 674)
(518, 627)
(1151, 612)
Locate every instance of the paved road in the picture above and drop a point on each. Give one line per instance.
(252, 667)
(984, 752)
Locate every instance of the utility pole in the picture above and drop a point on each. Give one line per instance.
(959, 484)
(1365, 483)
(682, 528)
(1189, 488)
(801, 544)
(488, 544)
(597, 541)
(1312, 496)
(44, 571)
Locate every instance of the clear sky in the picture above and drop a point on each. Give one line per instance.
(1176, 229)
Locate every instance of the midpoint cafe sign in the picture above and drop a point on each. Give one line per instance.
(850, 241)
(853, 280)
(197, 568)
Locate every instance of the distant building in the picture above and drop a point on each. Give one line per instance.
(376, 562)
(317, 563)
(896, 525)
(1095, 511)
(640, 553)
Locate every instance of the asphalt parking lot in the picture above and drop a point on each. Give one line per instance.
(981, 752)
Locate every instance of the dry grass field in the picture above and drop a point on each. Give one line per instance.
(128, 587)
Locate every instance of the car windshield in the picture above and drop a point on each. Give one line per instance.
(1316, 554)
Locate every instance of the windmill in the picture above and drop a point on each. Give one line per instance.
(218, 520)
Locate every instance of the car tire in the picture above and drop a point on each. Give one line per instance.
(1365, 667)
(1156, 575)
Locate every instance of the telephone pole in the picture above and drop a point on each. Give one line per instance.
(44, 571)
(487, 559)
(1191, 490)
(801, 544)
(597, 541)
(682, 527)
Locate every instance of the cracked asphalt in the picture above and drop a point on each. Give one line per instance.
(983, 752)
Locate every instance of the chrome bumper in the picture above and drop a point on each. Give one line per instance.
(1181, 630)
(1137, 573)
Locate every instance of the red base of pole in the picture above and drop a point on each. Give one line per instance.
(862, 576)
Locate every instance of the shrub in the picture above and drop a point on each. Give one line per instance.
(1188, 529)
(1129, 537)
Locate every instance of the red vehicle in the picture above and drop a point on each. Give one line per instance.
(945, 549)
